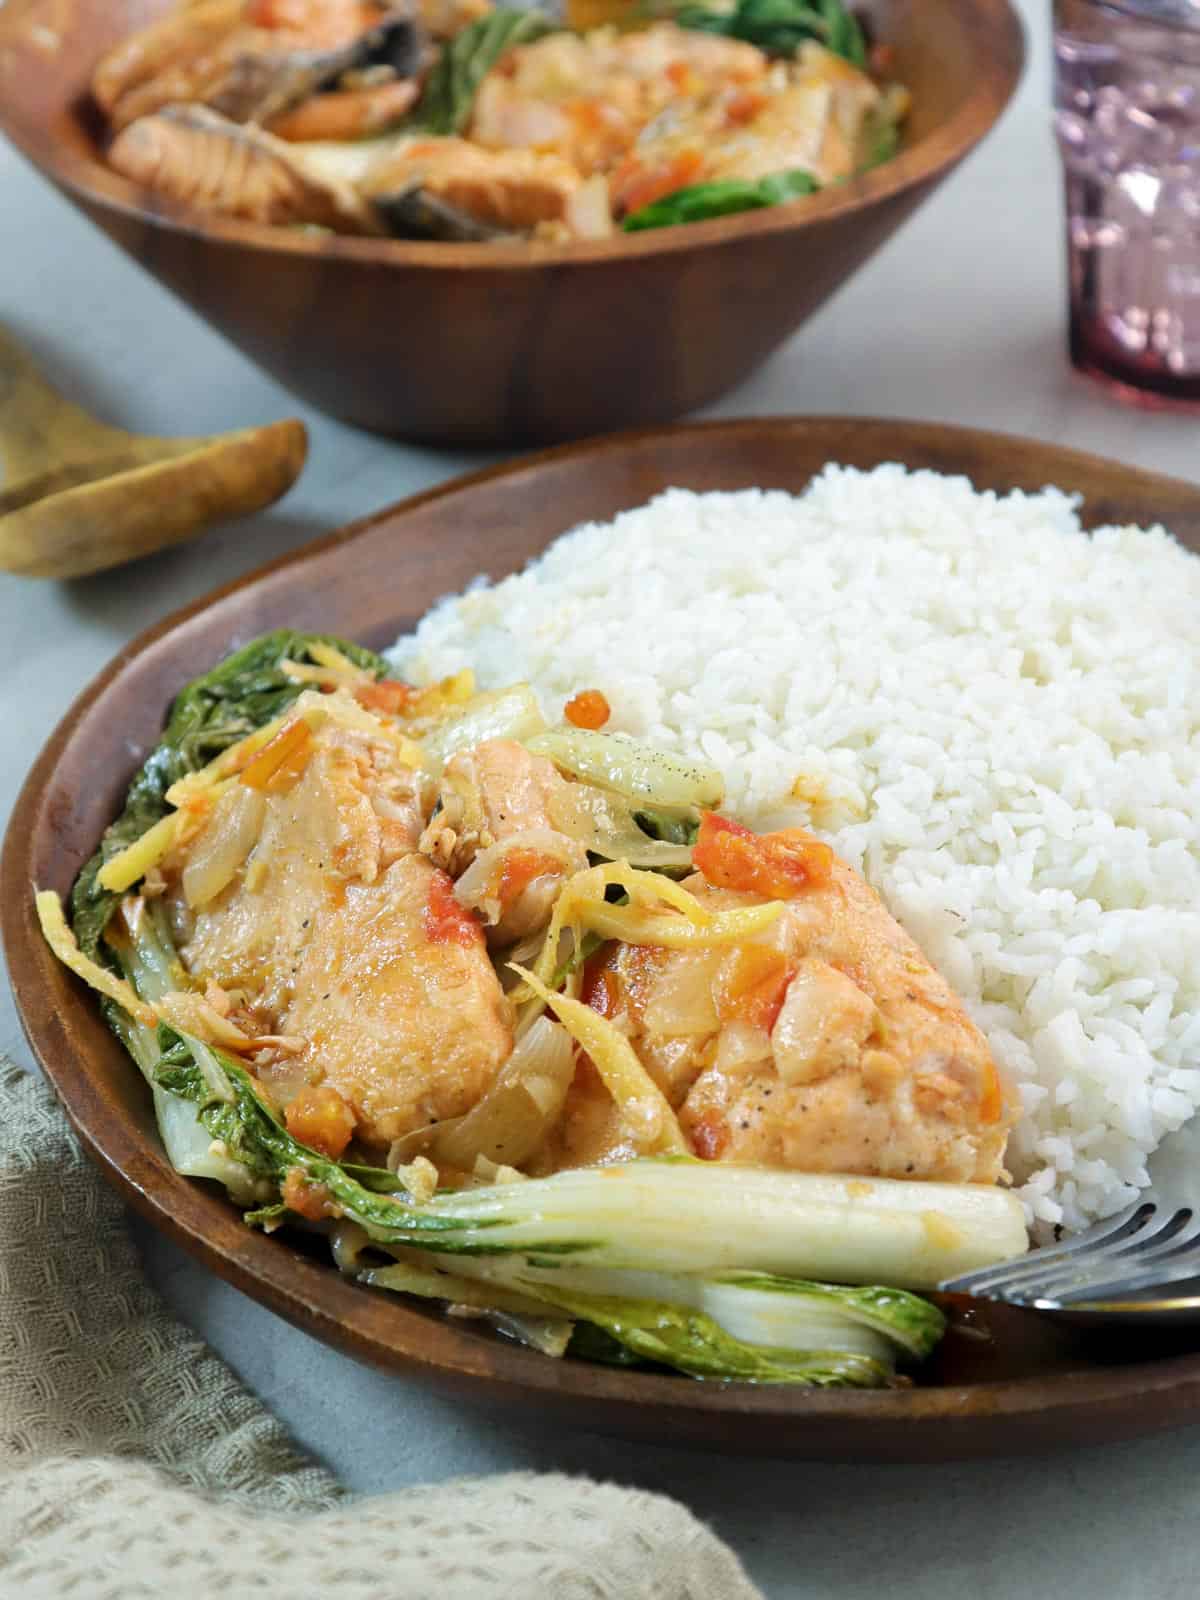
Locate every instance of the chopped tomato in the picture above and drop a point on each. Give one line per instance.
(778, 866)
(322, 22)
(278, 765)
(601, 988)
(620, 976)
(447, 920)
(744, 105)
(519, 869)
(681, 77)
(592, 115)
(635, 186)
(307, 1199)
(639, 966)
(587, 709)
(709, 1137)
(991, 1097)
(320, 1118)
(387, 695)
(751, 985)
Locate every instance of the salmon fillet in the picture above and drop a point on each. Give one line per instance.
(326, 935)
(828, 1045)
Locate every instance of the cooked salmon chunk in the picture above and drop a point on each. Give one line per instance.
(339, 937)
(195, 157)
(497, 806)
(207, 53)
(827, 1044)
(405, 1019)
(808, 118)
(587, 98)
(507, 189)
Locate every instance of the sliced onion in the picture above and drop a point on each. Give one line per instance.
(603, 823)
(476, 888)
(741, 1045)
(504, 714)
(514, 1117)
(231, 834)
(638, 771)
(589, 211)
(681, 1003)
(348, 1241)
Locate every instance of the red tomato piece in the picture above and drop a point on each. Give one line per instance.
(751, 985)
(778, 866)
(447, 921)
(387, 695)
(278, 765)
(587, 709)
(320, 1118)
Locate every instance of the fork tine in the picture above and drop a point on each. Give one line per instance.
(1171, 1261)
(1177, 1270)
(1159, 1234)
(992, 1280)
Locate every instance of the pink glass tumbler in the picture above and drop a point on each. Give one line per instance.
(1127, 116)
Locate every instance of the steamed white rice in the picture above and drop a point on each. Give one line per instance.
(995, 716)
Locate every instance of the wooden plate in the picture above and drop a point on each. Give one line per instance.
(1033, 1386)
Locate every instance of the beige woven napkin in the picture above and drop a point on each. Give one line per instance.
(133, 1464)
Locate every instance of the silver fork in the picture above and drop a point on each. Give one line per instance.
(1116, 1271)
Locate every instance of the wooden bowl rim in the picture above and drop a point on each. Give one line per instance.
(1001, 41)
(938, 1422)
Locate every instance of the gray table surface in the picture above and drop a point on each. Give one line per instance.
(959, 319)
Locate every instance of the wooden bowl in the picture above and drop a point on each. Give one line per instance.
(485, 343)
(1034, 1386)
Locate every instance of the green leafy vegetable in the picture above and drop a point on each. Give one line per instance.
(757, 1327)
(254, 1136)
(880, 136)
(592, 1343)
(240, 694)
(891, 1315)
(668, 828)
(586, 948)
(780, 27)
(692, 1342)
(449, 94)
(702, 201)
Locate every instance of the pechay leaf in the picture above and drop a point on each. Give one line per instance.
(730, 1322)
(780, 27)
(912, 1325)
(692, 1342)
(880, 137)
(586, 947)
(211, 713)
(669, 829)
(591, 1343)
(700, 202)
(445, 105)
(253, 1135)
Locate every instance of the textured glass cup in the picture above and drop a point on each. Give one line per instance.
(1127, 116)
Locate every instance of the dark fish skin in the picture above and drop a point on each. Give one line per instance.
(261, 84)
(414, 214)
